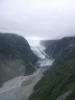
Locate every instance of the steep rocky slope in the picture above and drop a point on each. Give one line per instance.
(54, 48)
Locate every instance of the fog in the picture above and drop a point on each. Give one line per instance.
(44, 19)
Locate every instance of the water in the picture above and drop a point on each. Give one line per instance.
(20, 88)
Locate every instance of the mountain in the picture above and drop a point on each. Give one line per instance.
(54, 48)
(59, 82)
(16, 57)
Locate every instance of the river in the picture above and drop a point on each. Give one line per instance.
(21, 87)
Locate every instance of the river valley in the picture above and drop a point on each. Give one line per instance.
(20, 88)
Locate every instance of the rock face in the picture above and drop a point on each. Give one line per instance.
(56, 48)
(16, 57)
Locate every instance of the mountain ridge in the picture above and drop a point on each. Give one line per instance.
(16, 57)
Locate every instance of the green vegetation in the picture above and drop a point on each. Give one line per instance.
(59, 79)
(16, 57)
(71, 96)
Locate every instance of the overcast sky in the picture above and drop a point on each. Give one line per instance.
(38, 18)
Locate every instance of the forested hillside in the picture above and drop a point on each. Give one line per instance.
(59, 82)
(16, 57)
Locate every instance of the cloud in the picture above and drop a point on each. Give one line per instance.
(38, 18)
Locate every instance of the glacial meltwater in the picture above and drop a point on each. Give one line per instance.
(21, 87)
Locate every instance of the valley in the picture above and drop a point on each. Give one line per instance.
(47, 74)
(21, 87)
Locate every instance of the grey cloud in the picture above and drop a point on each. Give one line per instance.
(37, 18)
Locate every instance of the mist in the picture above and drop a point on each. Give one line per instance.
(44, 19)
